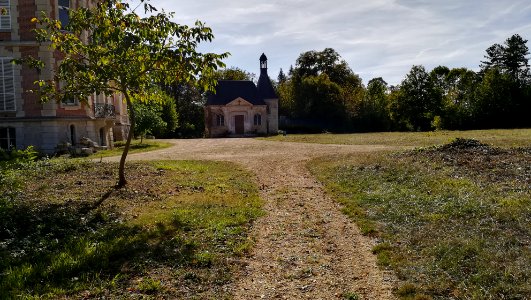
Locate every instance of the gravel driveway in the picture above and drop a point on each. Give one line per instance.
(305, 247)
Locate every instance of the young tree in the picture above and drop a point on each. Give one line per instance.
(108, 48)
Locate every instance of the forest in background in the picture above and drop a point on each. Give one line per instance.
(321, 93)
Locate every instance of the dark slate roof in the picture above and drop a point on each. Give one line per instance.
(263, 57)
(228, 90)
(265, 88)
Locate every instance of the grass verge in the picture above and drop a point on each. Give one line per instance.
(495, 137)
(135, 147)
(452, 221)
(176, 231)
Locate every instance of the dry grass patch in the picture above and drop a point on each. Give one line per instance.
(496, 137)
(452, 221)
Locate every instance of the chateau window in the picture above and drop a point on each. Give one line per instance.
(70, 101)
(67, 100)
(257, 119)
(220, 120)
(64, 7)
(7, 85)
(5, 15)
(7, 138)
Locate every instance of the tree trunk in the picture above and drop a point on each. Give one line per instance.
(121, 171)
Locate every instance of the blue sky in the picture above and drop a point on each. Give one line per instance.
(378, 38)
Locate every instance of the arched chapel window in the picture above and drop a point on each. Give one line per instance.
(220, 120)
(257, 119)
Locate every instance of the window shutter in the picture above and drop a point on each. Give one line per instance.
(7, 88)
(5, 16)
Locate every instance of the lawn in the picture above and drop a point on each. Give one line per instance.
(453, 222)
(495, 137)
(135, 147)
(178, 230)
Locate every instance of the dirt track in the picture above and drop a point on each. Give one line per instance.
(305, 247)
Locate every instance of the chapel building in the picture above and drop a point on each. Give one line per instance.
(241, 108)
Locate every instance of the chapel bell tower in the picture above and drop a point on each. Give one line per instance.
(263, 64)
(267, 92)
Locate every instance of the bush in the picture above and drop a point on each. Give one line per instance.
(15, 157)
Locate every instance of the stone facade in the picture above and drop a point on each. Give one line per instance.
(235, 114)
(46, 125)
(241, 108)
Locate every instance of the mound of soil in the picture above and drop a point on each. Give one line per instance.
(470, 157)
(466, 145)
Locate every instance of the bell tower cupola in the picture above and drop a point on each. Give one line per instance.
(263, 64)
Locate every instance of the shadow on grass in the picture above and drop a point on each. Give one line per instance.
(66, 248)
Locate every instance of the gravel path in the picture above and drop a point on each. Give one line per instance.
(305, 247)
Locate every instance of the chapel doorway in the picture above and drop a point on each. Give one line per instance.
(238, 122)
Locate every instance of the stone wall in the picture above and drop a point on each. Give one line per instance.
(272, 116)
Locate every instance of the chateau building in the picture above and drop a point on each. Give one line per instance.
(241, 108)
(24, 120)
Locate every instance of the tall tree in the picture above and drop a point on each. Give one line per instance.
(510, 58)
(495, 104)
(419, 100)
(460, 98)
(189, 103)
(108, 48)
(234, 73)
(168, 114)
(503, 98)
(329, 76)
(281, 78)
(374, 114)
(329, 62)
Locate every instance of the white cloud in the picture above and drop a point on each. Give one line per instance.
(378, 38)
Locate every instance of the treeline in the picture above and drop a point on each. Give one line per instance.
(322, 93)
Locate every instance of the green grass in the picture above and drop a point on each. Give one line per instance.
(176, 231)
(496, 137)
(452, 224)
(135, 147)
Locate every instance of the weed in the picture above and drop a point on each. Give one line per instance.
(407, 290)
(149, 286)
(351, 296)
(383, 254)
